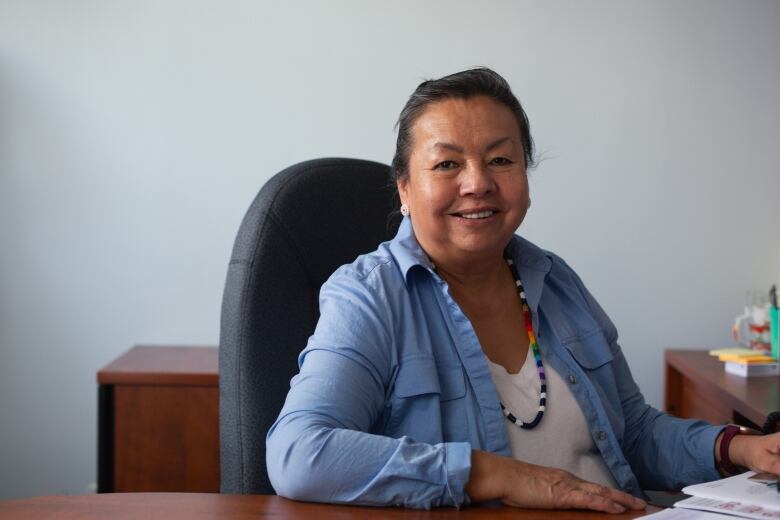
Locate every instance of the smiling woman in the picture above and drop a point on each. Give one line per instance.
(460, 363)
(466, 186)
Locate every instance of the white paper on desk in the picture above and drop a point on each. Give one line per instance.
(729, 507)
(675, 513)
(748, 488)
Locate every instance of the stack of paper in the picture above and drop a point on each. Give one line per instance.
(746, 362)
(749, 495)
(753, 369)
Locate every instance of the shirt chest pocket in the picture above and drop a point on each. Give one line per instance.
(594, 355)
(422, 376)
(428, 402)
(591, 350)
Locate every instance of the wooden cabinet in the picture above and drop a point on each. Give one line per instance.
(158, 412)
(158, 421)
(697, 386)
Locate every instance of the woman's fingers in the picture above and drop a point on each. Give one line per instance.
(582, 499)
(629, 501)
(587, 495)
(759, 453)
(768, 456)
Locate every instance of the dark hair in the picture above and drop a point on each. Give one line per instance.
(461, 85)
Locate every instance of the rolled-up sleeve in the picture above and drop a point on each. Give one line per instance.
(664, 452)
(326, 445)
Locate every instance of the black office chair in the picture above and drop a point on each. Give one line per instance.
(305, 222)
(772, 423)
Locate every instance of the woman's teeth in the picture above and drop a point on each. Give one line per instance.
(481, 214)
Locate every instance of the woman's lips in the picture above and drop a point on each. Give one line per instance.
(477, 214)
(476, 218)
(480, 213)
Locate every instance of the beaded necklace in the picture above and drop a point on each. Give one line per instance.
(537, 356)
(529, 328)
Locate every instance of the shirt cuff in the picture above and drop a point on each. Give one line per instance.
(458, 467)
(708, 446)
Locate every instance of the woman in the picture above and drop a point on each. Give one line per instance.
(460, 363)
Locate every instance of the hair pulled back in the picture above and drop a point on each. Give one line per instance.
(461, 85)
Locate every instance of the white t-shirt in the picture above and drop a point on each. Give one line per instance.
(562, 439)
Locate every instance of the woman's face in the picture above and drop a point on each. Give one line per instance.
(467, 189)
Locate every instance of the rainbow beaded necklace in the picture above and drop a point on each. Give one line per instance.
(537, 356)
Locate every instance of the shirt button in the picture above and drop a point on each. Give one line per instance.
(601, 435)
(572, 379)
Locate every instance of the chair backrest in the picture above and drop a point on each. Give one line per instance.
(772, 423)
(304, 223)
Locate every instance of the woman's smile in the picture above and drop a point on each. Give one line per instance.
(467, 190)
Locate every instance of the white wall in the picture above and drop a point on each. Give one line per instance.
(133, 136)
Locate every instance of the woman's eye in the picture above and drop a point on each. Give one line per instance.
(446, 165)
(500, 161)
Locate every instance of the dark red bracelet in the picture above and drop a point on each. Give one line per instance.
(729, 432)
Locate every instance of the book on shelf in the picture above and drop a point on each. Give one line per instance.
(749, 495)
(736, 352)
(746, 362)
(749, 360)
(753, 369)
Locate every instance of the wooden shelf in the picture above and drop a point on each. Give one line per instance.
(151, 365)
(158, 424)
(697, 386)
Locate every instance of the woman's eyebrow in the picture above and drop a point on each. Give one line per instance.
(454, 147)
(497, 143)
(448, 146)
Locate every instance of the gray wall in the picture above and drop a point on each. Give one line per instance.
(133, 136)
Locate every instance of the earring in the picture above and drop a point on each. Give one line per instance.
(404, 210)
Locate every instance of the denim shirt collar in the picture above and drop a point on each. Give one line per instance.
(407, 250)
(533, 263)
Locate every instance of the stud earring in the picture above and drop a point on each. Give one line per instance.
(404, 210)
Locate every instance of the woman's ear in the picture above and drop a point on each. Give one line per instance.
(402, 183)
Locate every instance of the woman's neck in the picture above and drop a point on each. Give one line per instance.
(475, 275)
(482, 293)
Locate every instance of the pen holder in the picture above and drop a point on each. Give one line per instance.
(774, 331)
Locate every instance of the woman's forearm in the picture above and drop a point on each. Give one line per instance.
(317, 463)
(485, 479)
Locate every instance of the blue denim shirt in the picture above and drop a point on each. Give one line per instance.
(394, 390)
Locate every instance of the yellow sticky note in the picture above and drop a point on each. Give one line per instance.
(753, 360)
(739, 352)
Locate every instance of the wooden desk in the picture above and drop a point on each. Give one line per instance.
(158, 421)
(697, 386)
(159, 413)
(197, 506)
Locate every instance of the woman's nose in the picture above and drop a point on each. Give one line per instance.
(476, 181)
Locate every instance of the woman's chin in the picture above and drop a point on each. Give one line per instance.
(481, 249)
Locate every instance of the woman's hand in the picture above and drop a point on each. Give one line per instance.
(756, 452)
(520, 484)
